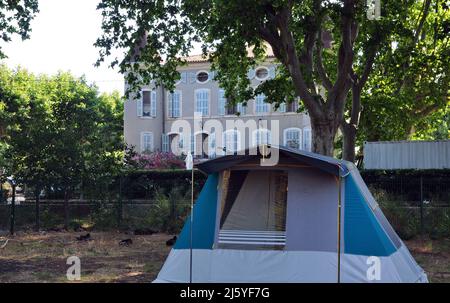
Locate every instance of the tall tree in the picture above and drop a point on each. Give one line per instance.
(27, 115)
(15, 18)
(410, 79)
(156, 34)
(60, 133)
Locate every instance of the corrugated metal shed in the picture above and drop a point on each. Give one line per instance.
(407, 155)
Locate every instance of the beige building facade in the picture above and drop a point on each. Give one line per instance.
(196, 116)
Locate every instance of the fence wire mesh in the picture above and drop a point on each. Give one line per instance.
(417, 203)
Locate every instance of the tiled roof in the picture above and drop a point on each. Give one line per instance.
(201, 58)
(193, 58)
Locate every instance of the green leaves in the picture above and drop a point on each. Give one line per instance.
(153, 34)
(58, 131)
(407, 96)
(15, 18)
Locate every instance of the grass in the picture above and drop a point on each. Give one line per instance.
(41, 257)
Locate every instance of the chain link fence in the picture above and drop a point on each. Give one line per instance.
(414, 202)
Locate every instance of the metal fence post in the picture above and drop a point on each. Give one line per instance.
(13, 210)
(421, 206)
(119, 207)
(37, 210)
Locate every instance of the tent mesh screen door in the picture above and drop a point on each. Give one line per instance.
(253, 209)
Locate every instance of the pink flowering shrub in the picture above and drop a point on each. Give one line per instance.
(158, 160)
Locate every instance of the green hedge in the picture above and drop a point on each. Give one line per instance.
(148, 184)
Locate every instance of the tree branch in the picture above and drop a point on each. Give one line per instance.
(319, 64)
(405, 66)
(426, 9)
(283, 45)
(340, 88)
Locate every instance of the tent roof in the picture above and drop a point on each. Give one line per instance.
(327, 164)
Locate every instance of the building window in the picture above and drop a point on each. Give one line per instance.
(165, 143)
(261, 73)
(261, 137)
(292, 107)
(192, 143)
(146, 142)
(202, 101)
(202, 77)
(241, 109)
(174, 104)
(235, 109)
(231, 141)
(282, 107)
(146, 105)
(307, 139)
(261, 105)
(222, 103)
(293, 138)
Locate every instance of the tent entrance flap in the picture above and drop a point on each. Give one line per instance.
(253, 209)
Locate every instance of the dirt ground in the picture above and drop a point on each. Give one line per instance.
(41, 257)
(433, 256)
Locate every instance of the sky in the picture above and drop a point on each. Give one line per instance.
(62, 38)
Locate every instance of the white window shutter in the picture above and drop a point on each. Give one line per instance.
(191, 77)
(272, 70)
(140, 106)
(241, 108)
(251, 74)
(170, 105)
(153, 104)
(197, 101)
(307, 139)
(165, 143)
(177, 101)
(183, 77)
(150, 143)
(212, 75)
(142, 142)
(222, 103)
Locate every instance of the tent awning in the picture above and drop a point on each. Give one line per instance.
(328, 164)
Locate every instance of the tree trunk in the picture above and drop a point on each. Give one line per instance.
(349, 138)
(66, 209)
(350, 128)
(323, 134)
(38, 220)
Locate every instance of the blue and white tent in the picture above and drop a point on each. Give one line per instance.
(282, 223)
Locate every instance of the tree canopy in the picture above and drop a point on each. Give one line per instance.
(58, 133)
(407, 96)
(325, 49)
(15, 19)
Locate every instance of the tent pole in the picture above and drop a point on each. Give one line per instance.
(192, 222)
(339, 230)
